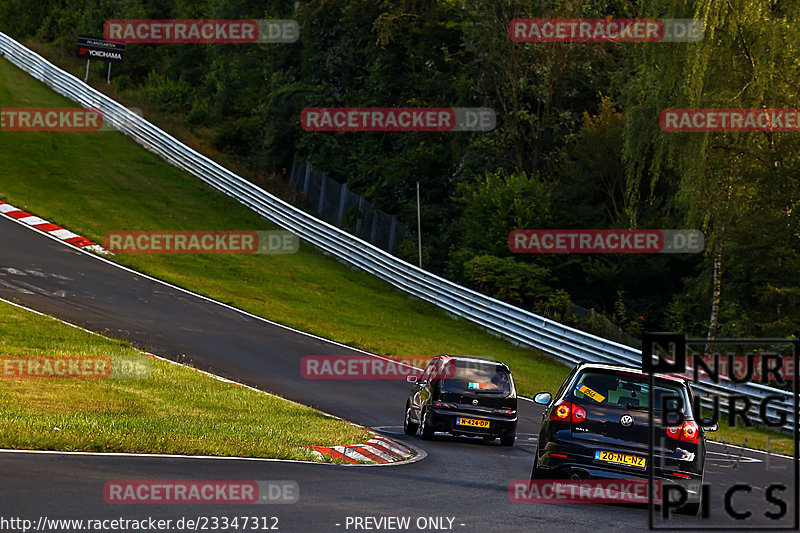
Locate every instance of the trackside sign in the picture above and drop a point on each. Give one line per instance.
(99, 49)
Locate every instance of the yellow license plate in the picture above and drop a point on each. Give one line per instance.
(620, 458)
(472, 422)
(594, 395)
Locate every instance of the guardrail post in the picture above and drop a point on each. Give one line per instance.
(373, 232)
(292, 172)
(322, 187)
(308, 176)
(360, 214)
(392, 231)
(342, 203)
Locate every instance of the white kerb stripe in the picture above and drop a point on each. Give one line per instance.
(33, 221)
(317, 454)
(100, 250)
(63, 234)
(389, 449)
(7, 208)
(379, 453)
(391, 446)
(352, 453)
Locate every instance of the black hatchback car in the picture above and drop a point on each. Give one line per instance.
(597, 426)
(463, 396)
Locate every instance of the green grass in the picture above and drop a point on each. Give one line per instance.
(760, 438)
(173, 410)
(72, 179)
(97, 182)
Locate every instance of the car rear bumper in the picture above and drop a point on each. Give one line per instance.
(583, 466)
(445, 420)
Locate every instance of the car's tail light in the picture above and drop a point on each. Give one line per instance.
(565, 411)
(561, 412)
(505, 411)
(690, 433)
(687, 432)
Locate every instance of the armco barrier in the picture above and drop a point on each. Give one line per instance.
(522, 327)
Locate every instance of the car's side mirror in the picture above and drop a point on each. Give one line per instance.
(411, 379)
(708, 425)
(543, 398)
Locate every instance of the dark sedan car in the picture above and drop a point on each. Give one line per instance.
(597, 426)
(463, 396)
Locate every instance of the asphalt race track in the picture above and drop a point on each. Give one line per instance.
(460, 479)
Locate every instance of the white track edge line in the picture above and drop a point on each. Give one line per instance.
(219, 378)
(204, 457)
(246, 313)
(206, 298)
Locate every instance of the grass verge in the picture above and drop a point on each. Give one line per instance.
(176, 410)
(52, 173)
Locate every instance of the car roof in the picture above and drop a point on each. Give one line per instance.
(629, 369)
(473, 359)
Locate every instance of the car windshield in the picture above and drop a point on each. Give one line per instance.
(626, 390)
(471, 378)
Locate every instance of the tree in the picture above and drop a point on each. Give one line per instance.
(729, 184)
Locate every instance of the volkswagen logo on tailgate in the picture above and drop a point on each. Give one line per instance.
(474, 402)
(626, 421)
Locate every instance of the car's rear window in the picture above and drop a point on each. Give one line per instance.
(624, 390)
(471, 378)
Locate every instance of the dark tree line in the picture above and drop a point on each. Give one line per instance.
(577, 142)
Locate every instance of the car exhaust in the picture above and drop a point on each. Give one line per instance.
(576, 475)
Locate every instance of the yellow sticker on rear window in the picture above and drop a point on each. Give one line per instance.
(594, 395)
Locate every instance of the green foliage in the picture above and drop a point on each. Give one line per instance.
(498, 203)
(508, 280)
(624, 318)
(594, 171)
(577, 142)
(200, 115)
(741, 189)
(170, 95)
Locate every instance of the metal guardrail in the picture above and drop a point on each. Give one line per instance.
(564, 343)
